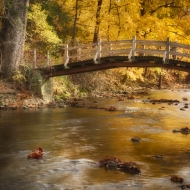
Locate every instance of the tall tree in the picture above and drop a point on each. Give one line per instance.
(97, 25)
(12, 35)
(75, 22)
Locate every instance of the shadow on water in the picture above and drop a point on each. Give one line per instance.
(75, 139)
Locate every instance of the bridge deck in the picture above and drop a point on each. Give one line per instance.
(113, 62)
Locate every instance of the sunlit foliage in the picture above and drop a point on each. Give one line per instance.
(39, 31)
(147, 19)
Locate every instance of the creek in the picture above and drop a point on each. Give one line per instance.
(75, 139)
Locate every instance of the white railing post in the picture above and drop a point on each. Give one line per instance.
(66, 56)
(143, 47)
(99, 49)
(167, 52)
(98, 53)
(132, 53)
(34, 58)
(48, 59)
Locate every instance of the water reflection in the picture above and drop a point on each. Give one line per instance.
(75, 138)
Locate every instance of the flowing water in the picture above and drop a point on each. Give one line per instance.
(74, 139)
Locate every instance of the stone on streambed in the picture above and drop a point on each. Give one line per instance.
(112, 162)
(176, 179)
(135, 139)
(184, 130)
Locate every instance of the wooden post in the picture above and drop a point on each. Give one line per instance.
(34, 58)
(133, 48)
(66, 55)
(98, 52)
(66, 51)
(48, 58)
(99, 49)
(167, 51)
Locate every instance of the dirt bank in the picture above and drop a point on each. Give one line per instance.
(13, 98)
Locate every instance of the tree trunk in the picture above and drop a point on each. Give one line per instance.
(12, 36)
(75, 23)
(96, 30)
(109, 11)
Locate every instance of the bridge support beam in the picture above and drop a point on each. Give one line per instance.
(40, 86)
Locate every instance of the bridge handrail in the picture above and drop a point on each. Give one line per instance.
(83, 46)
(128, 48)
(117, 41)
(151, 42)
(179, 45)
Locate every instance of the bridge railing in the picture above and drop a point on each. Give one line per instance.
(150, 47)
(129, 48)
(81, 53)
(180, 51)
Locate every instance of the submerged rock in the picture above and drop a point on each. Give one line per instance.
(177, 179)
(185, 130)
(158, 156)
(135, 139)
(111, 108)
(184, 186)
(111, 162)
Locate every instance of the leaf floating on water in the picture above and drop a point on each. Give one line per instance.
(36, 153)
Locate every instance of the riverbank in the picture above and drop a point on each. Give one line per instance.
(13, 98)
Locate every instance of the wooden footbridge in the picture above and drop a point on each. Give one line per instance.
(123, 53)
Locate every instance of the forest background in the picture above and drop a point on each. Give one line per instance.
(52, 23)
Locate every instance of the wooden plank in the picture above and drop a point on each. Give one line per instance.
(181, 54)
(116, 42)
(150, 51)
(118, 46)
(123, 47)
(120, 51)
(174, 44)
(83, 46)
(151, 42)
(87, 51)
